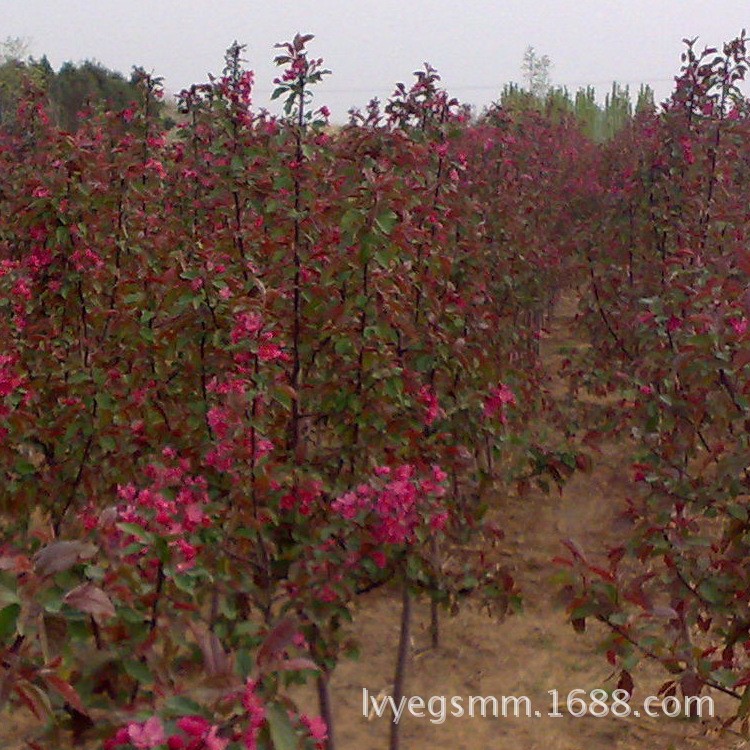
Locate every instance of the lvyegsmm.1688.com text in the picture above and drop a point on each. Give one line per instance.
(596, 703)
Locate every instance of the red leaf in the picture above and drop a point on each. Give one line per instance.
(692, 685)
(90, 599)
(33, 702)
(215, 658)
(60, 556)
(277, 640)
(291, 665)
(66, 690)
(626, 683)
(575, 549)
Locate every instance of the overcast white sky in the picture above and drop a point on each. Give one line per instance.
(476, 45)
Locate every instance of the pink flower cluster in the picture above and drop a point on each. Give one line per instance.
(196, 733)
(429, 400)
(9, 380)
(249, 325)
(396, 505)
(497, 402)
(154, 509)
(234, 442)
(256, 714)
(739, 325)
(304, 498)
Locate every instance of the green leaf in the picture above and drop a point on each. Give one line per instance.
(738, 511)
(24, 468)
(710, 592)
(245, 663)
(107, 443)
(725, 677)
(136, 530)
(386, 221)
(179, 705)
(283, 397)
(424, 362)
(282, 732)
(351, 219)
(343, 346)
(8, 619)
(62, 235)
(138, 671)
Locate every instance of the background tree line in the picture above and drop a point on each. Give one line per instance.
(70, 90)
(599, 121)
(76, 87)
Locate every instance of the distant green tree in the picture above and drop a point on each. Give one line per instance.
(645, 101)
(515, 98)
(78, 87)
(16, 70)
(599, 122)
(618, 110)
(73, 89)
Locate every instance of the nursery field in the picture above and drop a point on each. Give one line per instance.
(431, 404)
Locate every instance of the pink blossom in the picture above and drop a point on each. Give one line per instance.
(300, 641)
(189, 553)
(496, 403)
(327, 595)
(22, 289)
(9, 381)
(212, 742)
(379, 558)
(262, 448)
(429, 400)
(156, 166)
(199, 728)
(85, 260)
(739, 325)
(687, 150)
(316, 727)
(347, 506)
(256, 715)
(439, 521)
(148, 735)
(248, 325)
(218, 419)
(193, 726)
(270, 352)
(673, 324)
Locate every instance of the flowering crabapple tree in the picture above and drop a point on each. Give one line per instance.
(667, 306)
